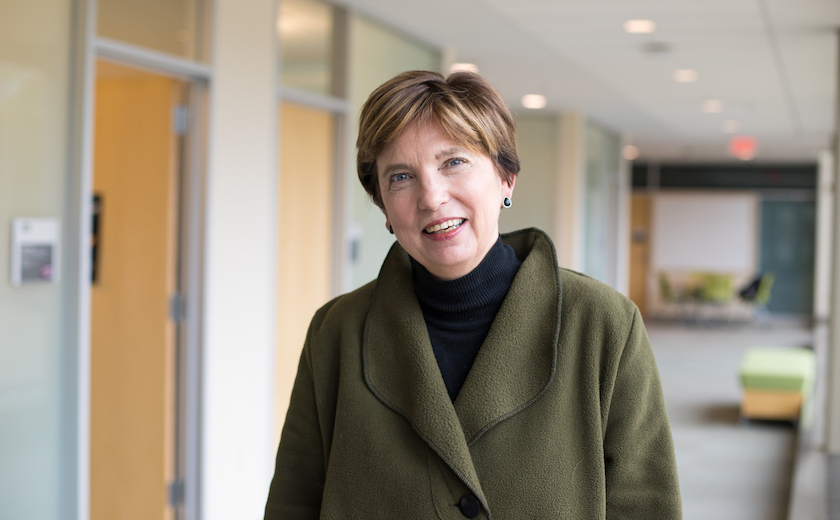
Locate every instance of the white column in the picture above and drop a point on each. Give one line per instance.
(833, 401)
(571, 179)
(239, 288)
(824, 242)
(833, 404)
(622, 236)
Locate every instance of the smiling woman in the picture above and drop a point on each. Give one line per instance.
(474, 378)
(442, 200)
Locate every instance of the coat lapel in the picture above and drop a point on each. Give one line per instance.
(517, 361)
(401, 369)
(513, 369)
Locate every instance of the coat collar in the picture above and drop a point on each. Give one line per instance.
(513, 369)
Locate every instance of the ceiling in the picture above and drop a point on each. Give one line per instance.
(772, 64)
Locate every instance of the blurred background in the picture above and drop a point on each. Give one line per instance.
(178, 195)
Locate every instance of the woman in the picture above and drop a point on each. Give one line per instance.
(473, 378)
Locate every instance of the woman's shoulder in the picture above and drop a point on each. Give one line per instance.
(587, 298)
(351, 306)
(575, 287)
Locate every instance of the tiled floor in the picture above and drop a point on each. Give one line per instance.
(729, 469)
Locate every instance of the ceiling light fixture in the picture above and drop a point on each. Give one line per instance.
(639, 26)
(730, 126)
(713, 106)
(686, 75)
(534, 101)
(463, 67)
(630, 152)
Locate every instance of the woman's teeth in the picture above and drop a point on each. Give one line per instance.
(444, 226)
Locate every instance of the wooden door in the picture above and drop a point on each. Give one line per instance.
(132, 335)
(305, 235)
(640, 222)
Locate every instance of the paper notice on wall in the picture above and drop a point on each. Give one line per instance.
(35, 250)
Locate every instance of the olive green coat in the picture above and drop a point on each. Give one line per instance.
(561, 416)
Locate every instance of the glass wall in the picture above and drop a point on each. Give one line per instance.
(306, 29)
(171, 26)
(37, 415)
(603, 155)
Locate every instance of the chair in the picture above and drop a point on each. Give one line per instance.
(757, 295)
(672, 301)
(715, 295)
(716, 289)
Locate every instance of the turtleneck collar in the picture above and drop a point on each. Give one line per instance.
(475, 296)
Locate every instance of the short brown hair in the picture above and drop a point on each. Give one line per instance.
(467, 108)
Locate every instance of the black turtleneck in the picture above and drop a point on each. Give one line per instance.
(459, 312)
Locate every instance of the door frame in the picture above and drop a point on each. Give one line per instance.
(192, 180)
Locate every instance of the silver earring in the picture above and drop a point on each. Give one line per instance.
(391, 229)
(506, 202)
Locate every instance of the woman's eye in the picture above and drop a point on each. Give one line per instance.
(397, 177)
(456, 164)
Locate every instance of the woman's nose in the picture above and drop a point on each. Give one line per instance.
(433, 192)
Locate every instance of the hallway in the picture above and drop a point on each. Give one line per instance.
(729, 469)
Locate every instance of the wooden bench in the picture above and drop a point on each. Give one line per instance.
(776, 382)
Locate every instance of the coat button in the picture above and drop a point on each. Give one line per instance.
(470, 506)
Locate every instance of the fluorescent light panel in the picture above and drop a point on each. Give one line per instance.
(640, 26)
(534, 101)
(686, 75)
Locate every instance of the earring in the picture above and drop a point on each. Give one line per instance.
(391, 229)
(506, 202)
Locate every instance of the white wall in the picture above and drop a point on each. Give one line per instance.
(571, 191)
(715, 232)
(536, 185)
(237, 408)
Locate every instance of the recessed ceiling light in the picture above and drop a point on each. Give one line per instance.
(463, 67)
(686, 75)
(712, 106)
(639, 26)
(630, 152)
(534, 101)
(730, 126)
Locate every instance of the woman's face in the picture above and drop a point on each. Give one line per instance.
(442, 200)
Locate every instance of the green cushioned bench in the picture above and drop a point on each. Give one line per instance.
(776, 381)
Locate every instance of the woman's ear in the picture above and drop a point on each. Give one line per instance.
(507, 187)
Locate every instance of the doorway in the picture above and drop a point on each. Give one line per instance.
(640, 231)
(138, 152)
(307, 186)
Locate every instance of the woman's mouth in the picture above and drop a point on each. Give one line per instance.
(443, 227)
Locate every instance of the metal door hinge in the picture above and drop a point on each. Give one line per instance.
(177, 307)
(176, 493)
(180, 119)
